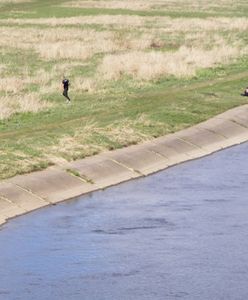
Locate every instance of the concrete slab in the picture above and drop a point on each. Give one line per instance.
(103, 171)
(224, 128)
(53, 185)
(21, 197)
(241, 120)
(236, 140)
(238, 115)
(9, 210)
(233, 113)
(172, 157)
(139, 160)
(206, 140)
(185, 149)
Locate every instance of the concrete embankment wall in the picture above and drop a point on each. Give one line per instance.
(25, 193)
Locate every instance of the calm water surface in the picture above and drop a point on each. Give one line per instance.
(179, 234)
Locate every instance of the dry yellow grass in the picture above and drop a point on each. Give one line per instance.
(123, 21)
(31, 102)
(74, 43)
(179, 24)
(131, 5)
(85, 84)
(75, 145)
(125, 133)
(180, 5)
(18, 36)
(61, 43)
(202, 43)
(201, 49)
(11, 84)
(56, 43)
(198, 25)
(197, 5)
(13, 1)
(182, 63)
(16, 84)
(100, 20)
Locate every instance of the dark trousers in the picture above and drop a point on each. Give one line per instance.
(65, 93)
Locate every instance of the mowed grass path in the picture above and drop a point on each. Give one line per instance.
(122, 115)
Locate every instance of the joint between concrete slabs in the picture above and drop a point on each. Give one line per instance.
(157, 153)
(212, 131)
(180, 154)
(33, 194)
(165, 164)
(12, 203)
(5, 199)
(11, 210)
(240, 124)
(129, 168)
(191, 153)
(192, 144)
(170, 163)
(78, 177)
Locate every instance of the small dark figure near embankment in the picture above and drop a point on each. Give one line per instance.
(245, 92)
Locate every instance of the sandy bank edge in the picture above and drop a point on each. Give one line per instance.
(25, 193)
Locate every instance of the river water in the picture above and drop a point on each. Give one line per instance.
(179, 234)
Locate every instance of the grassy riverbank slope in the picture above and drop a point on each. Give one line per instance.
(138, 70)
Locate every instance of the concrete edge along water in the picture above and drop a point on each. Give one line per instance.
(25, 193)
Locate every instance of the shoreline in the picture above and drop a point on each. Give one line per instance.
(25, 193)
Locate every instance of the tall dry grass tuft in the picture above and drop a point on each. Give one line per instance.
(14, 36)
(16, 84)
(196, 5)
(151, 65)
(84, 84)
(112, 4)
(64, 50)
(82, 143)
(32, 103)
(126, 132)
(11, 84)
(42, 77)
(13, 1)
(77, 144)
(200, 25)
(124, 20)
(10, 105)
(179, 5)
(74, 43)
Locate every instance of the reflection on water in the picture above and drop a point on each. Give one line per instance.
(179, 234)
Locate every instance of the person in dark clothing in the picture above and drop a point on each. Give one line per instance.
(66, 84)
(246, 92)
